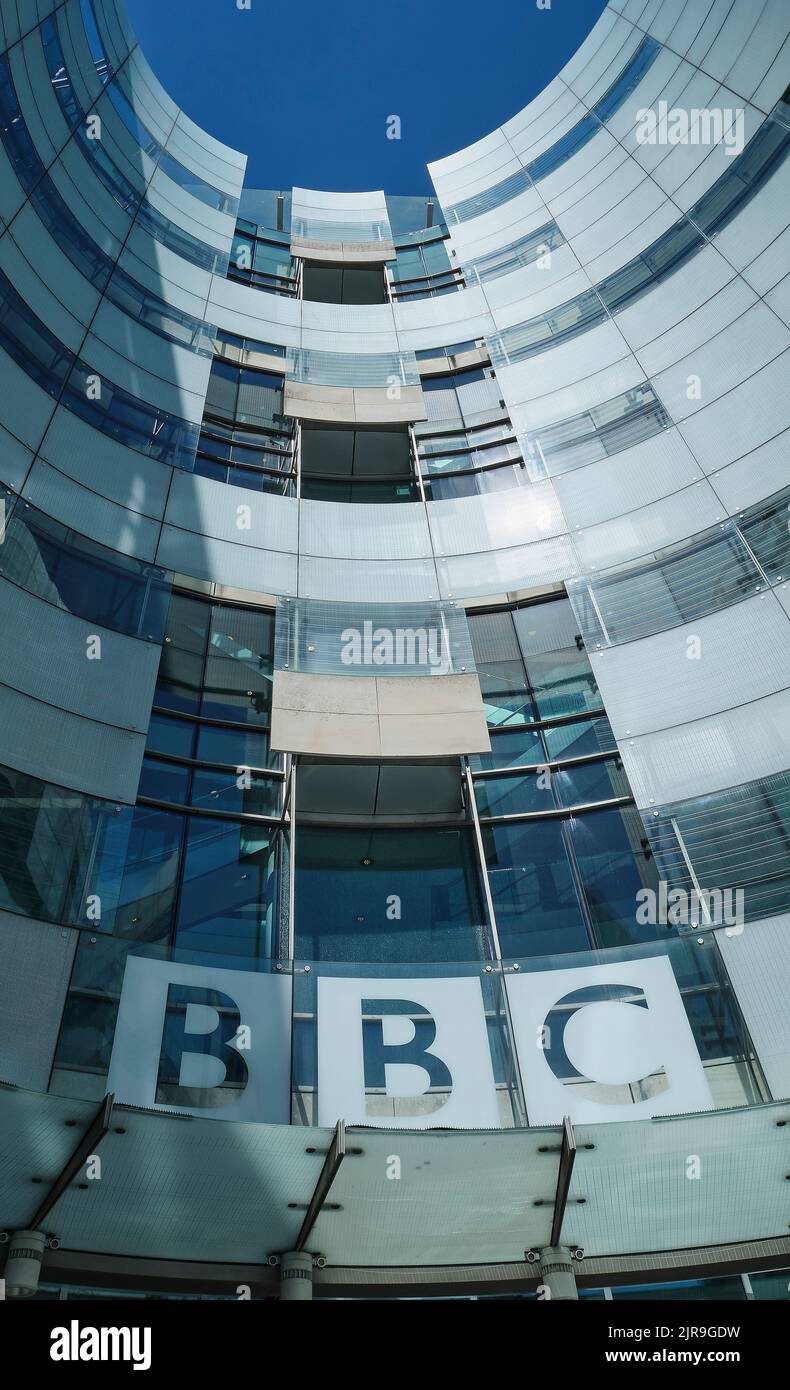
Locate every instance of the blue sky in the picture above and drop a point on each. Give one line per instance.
(306, 89)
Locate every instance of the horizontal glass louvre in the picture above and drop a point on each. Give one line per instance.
(318, 229)
(735, 839)
(764, 528)
(418, 639)
(524, 340)
(359, 369)
(702, 575)
(525, 251)
(598, 433)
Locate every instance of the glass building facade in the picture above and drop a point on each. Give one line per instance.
(395, 684)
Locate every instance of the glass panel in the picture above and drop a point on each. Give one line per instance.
(238, 677)
(510, 749)
(46, 839)
(590, 782)
(236, 747)
(228, 890)
(174, 736)
(136, 873)
(582, 736)
(736, 839)
(164, 781)
(614, 865)
(379, 895)
(181, 664)
(505, 697)
(364, 639)
(563, 683)
(535, 901)
(220, 791)
(699, 576)
(506, 796)
(83, 577)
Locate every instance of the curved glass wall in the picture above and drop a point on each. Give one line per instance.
(569, 144)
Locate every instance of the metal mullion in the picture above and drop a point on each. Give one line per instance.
(554, 765)
(292, 863)
(495, 941)
(489, 901)
(560, 812)
(415, 460)
(182, 810)
(275, 774)
(205, 719)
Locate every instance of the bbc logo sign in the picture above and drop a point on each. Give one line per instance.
(598, 1042)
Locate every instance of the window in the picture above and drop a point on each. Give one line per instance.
(344, 284)
(356, 465)
(345, 876)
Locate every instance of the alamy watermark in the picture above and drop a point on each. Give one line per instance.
(697, 907)
(399, 646)
(699, 125)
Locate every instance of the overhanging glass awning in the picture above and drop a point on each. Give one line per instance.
(176, 1187)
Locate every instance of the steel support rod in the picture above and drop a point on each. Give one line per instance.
(86, 1146)
(332, 1162)
(564, 1175)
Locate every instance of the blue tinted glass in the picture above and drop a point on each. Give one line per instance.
(16, 139)
(37, 884)
(132, 121)
(510, 749)
(590, 782)
(613, 866)
(537, 909)
(137, 871)
(238, 679)
(236, 747)
(506, 699)
(131, 421)
(747, 172)
(567, 145)
(628, 80)
(174, 736)
(506, 796)
(344, 878)
(582, 736)
(180, 675)
(85, 578)
(25, 338)
(563, 683)
(228, 889)
(220, 791)
(164, 781)
(103, 67)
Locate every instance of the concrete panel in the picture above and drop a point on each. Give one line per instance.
(343, 252)
(382, 716)
(433, 735)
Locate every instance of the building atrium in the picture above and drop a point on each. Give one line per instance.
(395, 689)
